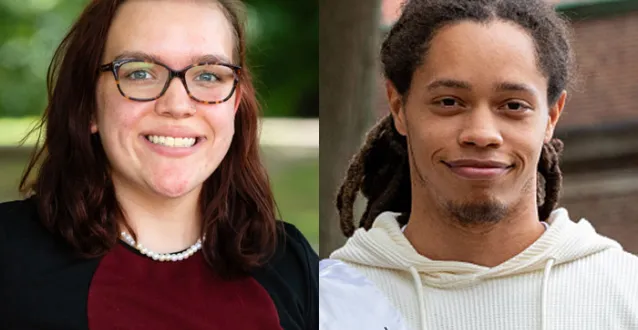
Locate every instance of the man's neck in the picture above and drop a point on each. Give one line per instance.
(163, 225)
(438, 237)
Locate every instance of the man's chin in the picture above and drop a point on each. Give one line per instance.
(483, 212)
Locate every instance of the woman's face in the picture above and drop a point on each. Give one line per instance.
(177, 33)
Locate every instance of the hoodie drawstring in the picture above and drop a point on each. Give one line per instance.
(544, 289)
(544, 293)
(419, 292)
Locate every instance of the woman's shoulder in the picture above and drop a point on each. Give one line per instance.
(24, 236)
(291, 277)
(19, 207)
(290, 237)
(294, 255)
(18, 216)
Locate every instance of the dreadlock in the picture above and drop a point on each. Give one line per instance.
(380, 170)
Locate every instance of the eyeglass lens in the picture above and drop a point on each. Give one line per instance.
(144, 80)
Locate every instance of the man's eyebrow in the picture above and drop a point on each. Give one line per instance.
(449, 83)
(502, 86)
(514, 87)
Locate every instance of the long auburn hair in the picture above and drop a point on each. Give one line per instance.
(69, 173)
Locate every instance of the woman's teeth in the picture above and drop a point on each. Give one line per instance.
(170, 141)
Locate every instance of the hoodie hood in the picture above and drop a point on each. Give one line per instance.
(385, 246)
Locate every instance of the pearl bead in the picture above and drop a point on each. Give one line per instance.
(162, 256)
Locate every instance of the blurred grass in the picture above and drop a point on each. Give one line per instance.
(296, 188)
(12, 130)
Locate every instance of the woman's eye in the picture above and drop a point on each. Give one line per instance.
(209, 77)
(139, 75)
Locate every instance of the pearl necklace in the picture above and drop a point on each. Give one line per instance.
(162, 256)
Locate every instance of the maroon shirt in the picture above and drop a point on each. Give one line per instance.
(132, 291)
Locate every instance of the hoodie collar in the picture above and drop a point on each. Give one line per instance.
(385, 246)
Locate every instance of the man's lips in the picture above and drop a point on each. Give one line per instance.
(477, 169)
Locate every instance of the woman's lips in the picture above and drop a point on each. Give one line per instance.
(173, 152)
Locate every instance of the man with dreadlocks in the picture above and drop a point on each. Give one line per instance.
(461, 228)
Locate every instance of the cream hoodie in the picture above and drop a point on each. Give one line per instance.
(570, 278)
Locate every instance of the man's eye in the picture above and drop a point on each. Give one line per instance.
(448, 102)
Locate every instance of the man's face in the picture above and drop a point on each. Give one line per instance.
(475, 118)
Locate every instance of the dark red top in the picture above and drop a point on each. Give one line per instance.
(130, 291)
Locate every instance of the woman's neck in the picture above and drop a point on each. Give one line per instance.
(161, 224)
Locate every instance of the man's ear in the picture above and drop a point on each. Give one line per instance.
(395, 99)
(554, 114)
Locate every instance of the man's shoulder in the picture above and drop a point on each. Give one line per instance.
(615, 259)
(349, 300)
(611, 268)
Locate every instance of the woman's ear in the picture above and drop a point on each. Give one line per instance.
(238, 97)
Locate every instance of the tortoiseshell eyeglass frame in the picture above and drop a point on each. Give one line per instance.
(114, 67)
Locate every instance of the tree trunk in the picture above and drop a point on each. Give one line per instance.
(349, 44)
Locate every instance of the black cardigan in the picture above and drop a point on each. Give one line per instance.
(57, 294)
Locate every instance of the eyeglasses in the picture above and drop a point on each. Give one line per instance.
(142, 80)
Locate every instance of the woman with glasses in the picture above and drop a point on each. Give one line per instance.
(147, 206)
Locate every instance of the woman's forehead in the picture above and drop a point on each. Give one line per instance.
(175, 31)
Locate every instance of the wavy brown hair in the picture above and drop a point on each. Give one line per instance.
(69, 172)
(380, 170)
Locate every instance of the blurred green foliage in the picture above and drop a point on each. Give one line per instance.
(29, 33)
(284, 55)
(282, 38)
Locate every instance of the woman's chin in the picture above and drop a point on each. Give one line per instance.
(175, 189)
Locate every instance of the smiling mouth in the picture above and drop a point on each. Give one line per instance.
(174, 142)
(479, 170)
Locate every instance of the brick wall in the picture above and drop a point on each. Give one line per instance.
(613, 215)
(606, 51)
(604, 188)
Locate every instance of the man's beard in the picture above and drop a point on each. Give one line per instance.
(477, 212)
(487, 211)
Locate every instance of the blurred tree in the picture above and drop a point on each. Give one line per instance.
(29, 33)
(349, 43)
(284, 54)
(283, 47)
